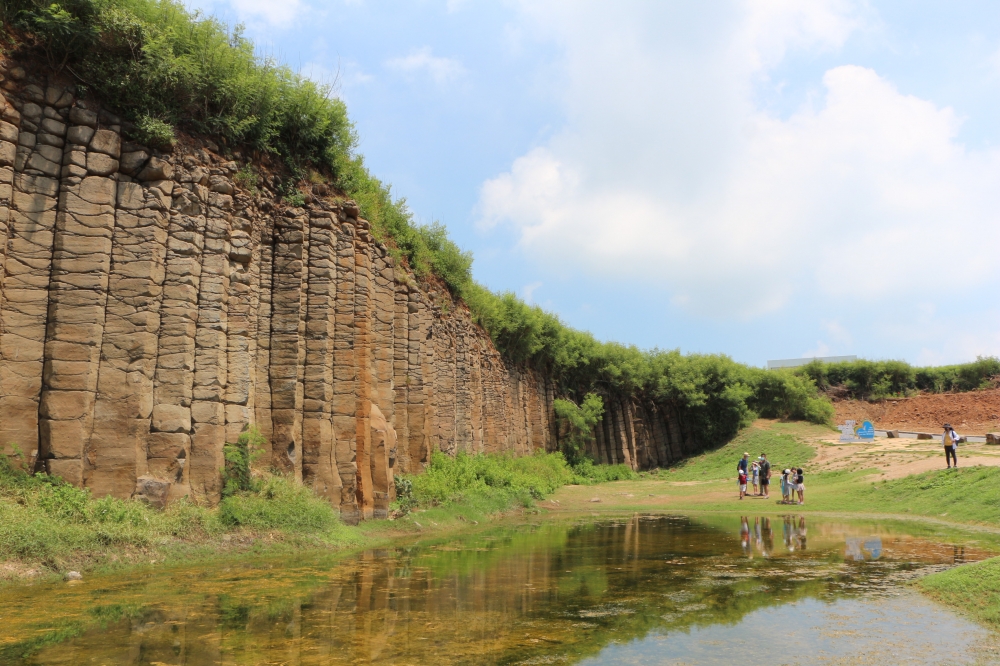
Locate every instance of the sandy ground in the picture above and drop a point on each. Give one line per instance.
(972, 413)
(898, 457)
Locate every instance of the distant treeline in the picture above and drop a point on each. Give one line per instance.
(874, 380)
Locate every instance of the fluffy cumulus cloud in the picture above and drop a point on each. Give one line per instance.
(670, 171)
(423, 62)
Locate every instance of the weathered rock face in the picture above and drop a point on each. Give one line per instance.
(151, 309)
(641, 433)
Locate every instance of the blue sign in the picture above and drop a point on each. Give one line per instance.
(865, 431)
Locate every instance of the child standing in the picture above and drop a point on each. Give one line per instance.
(742, 481)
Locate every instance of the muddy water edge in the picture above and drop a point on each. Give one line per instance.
(638, 589)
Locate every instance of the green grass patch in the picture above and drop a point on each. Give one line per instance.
(782, 449)
(970, 588)
(967, 494)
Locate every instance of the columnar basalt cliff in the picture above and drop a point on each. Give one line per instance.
(151, 309)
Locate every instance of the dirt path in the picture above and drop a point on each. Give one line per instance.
(972, 413)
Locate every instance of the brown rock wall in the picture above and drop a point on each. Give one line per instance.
(151, 310)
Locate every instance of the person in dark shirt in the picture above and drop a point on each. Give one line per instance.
(800, 485)
(765, 475)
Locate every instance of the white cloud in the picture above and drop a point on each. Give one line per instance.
(821, 349)
(422, 60)
(528, 291)
(668, 172)
(278, 14)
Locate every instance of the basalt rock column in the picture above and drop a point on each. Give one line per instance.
(241, 324)
(78, 290)
(288, 349)
(383, 452)
(173, 380)
(364, 369)
(417, 391)
(345, 375)
(27, 272)
(319, 463)
(262, 362)
(121, 447)
(10, 120)
(208, 432)
(401, 376)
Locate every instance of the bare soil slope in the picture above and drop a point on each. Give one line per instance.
(973, 413)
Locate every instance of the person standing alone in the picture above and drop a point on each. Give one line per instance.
(950, 441)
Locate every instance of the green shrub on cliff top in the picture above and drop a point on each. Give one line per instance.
(579, 421)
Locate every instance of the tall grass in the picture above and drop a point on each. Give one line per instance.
(45, 519)
(496, 482)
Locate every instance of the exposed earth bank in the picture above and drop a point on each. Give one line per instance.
(973, 413)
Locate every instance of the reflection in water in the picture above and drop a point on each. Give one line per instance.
(859, 548)
(549, 593)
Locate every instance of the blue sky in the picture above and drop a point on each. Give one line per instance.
(765, 179)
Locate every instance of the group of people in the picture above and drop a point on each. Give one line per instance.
(758, 473)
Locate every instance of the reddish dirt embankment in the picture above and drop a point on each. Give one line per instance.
(973, 413)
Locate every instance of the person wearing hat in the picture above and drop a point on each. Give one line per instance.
(950, 441)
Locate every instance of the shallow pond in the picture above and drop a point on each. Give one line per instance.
(633, 590)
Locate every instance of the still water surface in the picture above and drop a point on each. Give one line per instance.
(632, 590)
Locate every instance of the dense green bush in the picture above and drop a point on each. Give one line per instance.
(578, 422)
(490, 481)
(278, 504)
(495, 481)
(586, 472)
(237, 475)
(873, 380)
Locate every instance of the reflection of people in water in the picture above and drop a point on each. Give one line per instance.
(745, 536)
(801, 533)
(762, 533)
(959, 554)
(794, 535)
